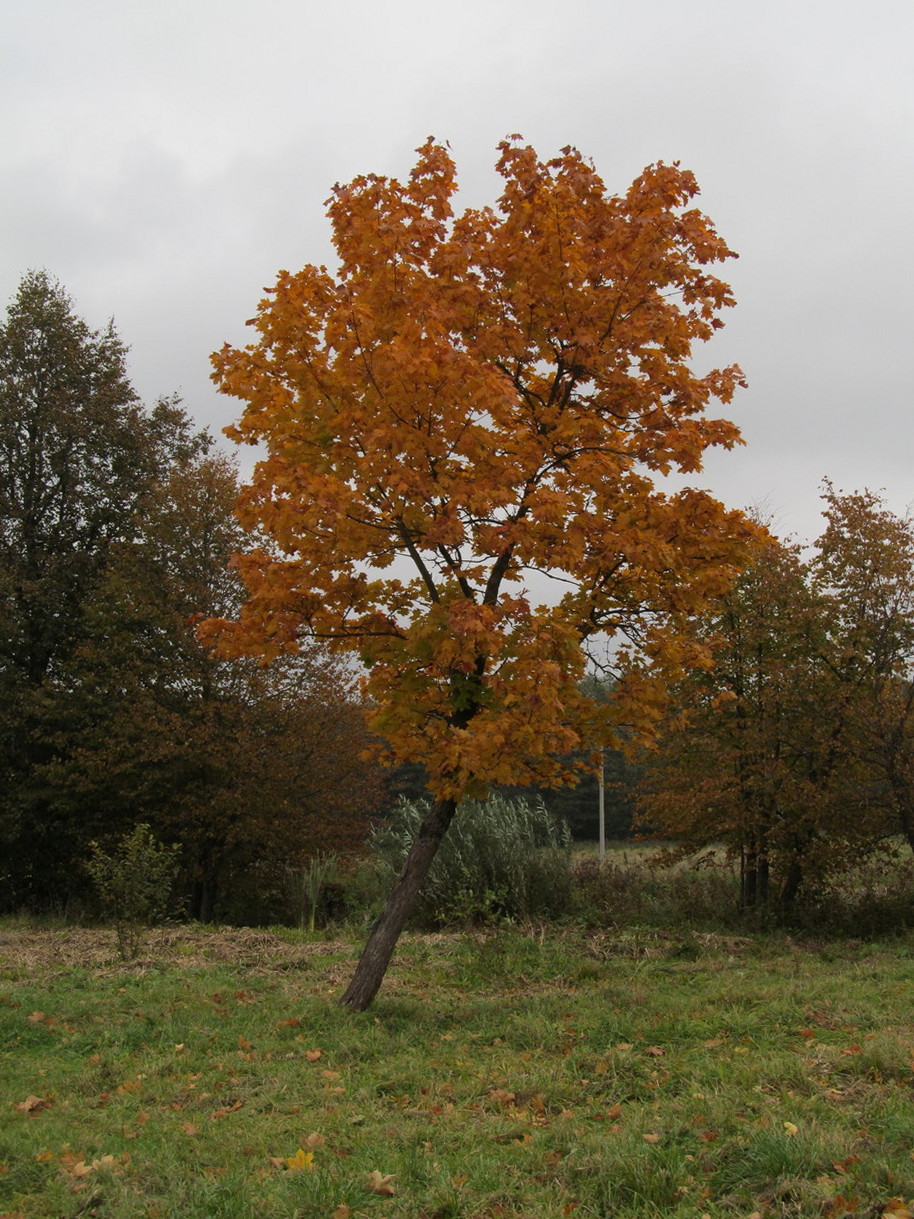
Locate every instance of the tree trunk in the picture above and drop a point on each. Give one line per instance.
(792, 881)
(747, 879)
(375, 958)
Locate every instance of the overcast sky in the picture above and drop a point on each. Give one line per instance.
(165, 160)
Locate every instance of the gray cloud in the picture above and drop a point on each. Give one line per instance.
(165, 161)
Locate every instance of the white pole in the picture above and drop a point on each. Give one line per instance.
(602, 811)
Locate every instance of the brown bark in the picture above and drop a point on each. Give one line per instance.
(375, 958)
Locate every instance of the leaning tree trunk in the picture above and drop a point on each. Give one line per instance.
(375, 958)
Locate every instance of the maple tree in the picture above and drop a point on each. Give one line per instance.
(467, 400)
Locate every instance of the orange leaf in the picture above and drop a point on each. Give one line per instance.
(313, 1055)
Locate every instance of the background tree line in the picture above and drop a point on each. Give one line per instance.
(116, 528)
(796, 750)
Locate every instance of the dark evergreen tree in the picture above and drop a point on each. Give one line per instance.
(116, 528)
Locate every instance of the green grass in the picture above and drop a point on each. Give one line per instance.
(503, 1075)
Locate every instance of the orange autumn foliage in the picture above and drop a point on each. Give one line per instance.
(468, 400)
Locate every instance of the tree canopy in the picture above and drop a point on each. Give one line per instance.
(468, 400)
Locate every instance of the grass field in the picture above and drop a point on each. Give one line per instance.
(507, 1074)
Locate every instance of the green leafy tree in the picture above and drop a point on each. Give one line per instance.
(116, 530)
(77, 453)
(251, 769)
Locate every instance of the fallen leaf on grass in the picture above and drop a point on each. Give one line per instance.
(74, 1168)
(897, 1208)
(651, 1138)
(343, 1212)
(790, 1129)
(302, 1161)
(378, 1183)
(313, 1055)
(32, 1104)
(501, 1097)
(313, 1140)
(844, 1166)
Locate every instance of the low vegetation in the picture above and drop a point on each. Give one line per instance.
(502, 858)
(507, 1073)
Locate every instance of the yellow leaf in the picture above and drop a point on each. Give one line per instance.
(302, 1161)
(791, 1129)
(897, 1208)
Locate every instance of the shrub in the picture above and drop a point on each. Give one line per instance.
(501, 859)
(310, 884)
(632, 893)
(134, 885)
(874, 898)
